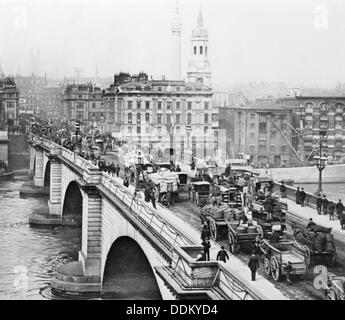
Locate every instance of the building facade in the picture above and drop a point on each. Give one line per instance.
(9, 103)
(51, 102)
(163, 114)
(261, 130)
(320, 117)
(84, 102)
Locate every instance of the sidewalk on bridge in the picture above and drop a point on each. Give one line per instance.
(234, 265)
(323, 220)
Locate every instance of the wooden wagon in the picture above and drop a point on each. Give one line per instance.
(328, 258)
(199, 192)
(240, 239)
(277, 256)
(217, 223)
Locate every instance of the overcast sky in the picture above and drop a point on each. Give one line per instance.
(295, 41)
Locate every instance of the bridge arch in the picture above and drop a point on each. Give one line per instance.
(46, 181)
(128, 273)
(72, 205)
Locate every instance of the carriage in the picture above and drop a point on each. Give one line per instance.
(278, 255)
(199, 192)
(241, 236)
(324, 252)
(183, 179)
(269, 214)
(229, 194)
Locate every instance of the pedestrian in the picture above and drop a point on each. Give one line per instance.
(205, 232)
(178, 169)
(147, 194)
(302, 196)
(339, 208)
(207, 245)
(311, 223)
(153, 197)
(330, 210)
(222, 255)
(342, 220)
(324, 204)
(117, 170)
(283, 190)
(126, 182)
(288, 270)
(298, 196)
(253, 264)
(319, 204)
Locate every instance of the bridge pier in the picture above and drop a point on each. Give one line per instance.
(54, 202)
(39, 168)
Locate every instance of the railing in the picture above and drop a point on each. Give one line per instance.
(162, 229)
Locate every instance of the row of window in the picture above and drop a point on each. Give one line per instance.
(168, 118)
(263, 149)
(168, 105)
(159, 130)
(201, 50)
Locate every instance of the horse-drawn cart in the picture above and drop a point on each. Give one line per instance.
(241, 236)
(278, 255)
(319, 243)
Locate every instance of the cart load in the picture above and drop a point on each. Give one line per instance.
(319, 241)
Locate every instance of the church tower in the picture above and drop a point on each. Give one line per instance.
(199, 65)
(176, 28)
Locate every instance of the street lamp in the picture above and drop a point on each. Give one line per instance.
(77, 130)
(139, 163)
(320, 163)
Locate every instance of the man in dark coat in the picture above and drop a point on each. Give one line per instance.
(319, 204)
(324, 204)
(207, 245)
(330, 210)
(302, 196)
(253, 264)
(339, 208)
(222, 255)
(298, 196)
(205, 233)
(311, 223)
(228, 170)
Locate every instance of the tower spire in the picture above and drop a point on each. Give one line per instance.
(200, 20)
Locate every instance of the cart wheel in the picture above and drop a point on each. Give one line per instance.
(275, 269)
(267, 266)
(260, 230)
(213, 230)
(307, 255)
(232, 246)
(331, 295)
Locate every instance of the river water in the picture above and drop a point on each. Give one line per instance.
(29, 256)
(333, 191)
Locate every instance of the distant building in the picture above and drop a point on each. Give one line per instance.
(9, 106)
(320, 115)
(51, 102)
(84, 102)
(261, 130)
(165, 114)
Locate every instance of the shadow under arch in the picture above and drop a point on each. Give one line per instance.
(72, 206)
(128, 274)
(47, 175)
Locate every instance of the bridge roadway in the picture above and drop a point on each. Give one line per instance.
(157, 231)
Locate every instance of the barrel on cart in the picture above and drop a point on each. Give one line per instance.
(241, 236)
(319, 242)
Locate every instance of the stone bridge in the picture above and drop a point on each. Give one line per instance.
(127, 250)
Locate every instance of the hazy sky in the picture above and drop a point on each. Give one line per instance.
(295, 41)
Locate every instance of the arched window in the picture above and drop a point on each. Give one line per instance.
(189, 118)
(129, 118)
(138, 118)
(147, 117)
(206, 117)
(324, 106)
(200, 49)
(194, 49)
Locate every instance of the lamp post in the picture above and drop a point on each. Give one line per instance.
(139, 163)
(77, 130)
(320, 163)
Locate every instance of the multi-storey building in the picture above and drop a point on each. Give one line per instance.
(84, 102)
(262, 130)
(9, 96)
(319, 116)
(30, 96)
(165, 114)
(51, 102)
